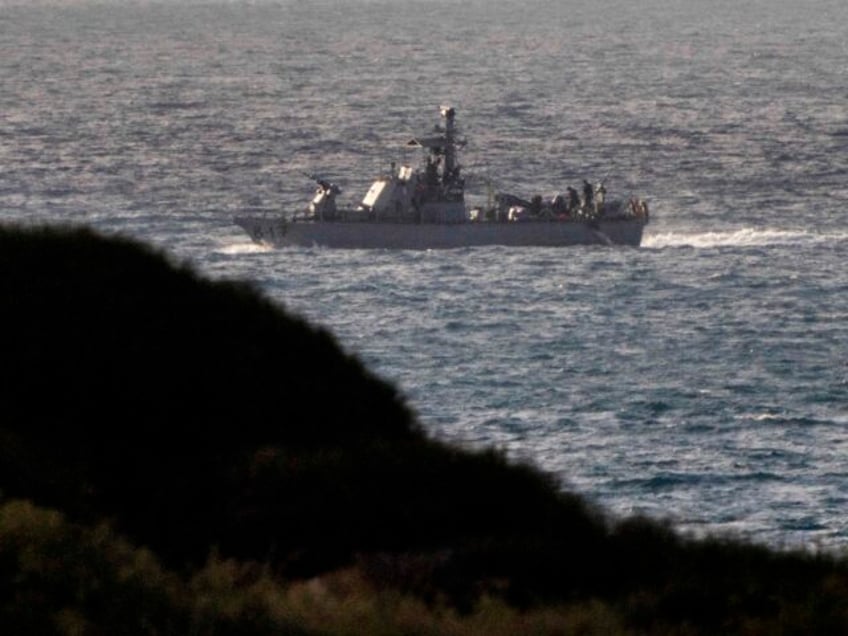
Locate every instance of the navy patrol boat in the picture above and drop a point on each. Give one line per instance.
(424, 207)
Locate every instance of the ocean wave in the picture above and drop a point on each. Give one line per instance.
(741, 237)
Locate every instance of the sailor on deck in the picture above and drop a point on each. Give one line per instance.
(573, 199)
(600, 195)
(587, 194)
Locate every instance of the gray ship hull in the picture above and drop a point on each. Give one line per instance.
(410, 236)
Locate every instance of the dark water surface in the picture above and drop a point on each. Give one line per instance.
(701, 377)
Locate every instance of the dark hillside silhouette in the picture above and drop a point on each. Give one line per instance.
(199, 414)
(114, 343)
(198, 418)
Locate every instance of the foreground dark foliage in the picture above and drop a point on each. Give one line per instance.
(197, 417)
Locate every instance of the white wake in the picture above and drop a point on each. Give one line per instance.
(742, 237)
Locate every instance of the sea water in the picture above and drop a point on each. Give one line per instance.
(700, 378)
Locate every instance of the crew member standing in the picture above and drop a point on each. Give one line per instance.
(587, 194)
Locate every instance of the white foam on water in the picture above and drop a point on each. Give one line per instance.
(742, 237)
(245, 247)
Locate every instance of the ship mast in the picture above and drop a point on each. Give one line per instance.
(451, 167)
(443, 151)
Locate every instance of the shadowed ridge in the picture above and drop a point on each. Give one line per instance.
(132, 387)
(199, 414)
(198, 418)
(112, 342)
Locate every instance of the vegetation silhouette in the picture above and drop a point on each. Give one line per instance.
(202, 422)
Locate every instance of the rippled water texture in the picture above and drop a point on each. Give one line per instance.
(701, 377)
